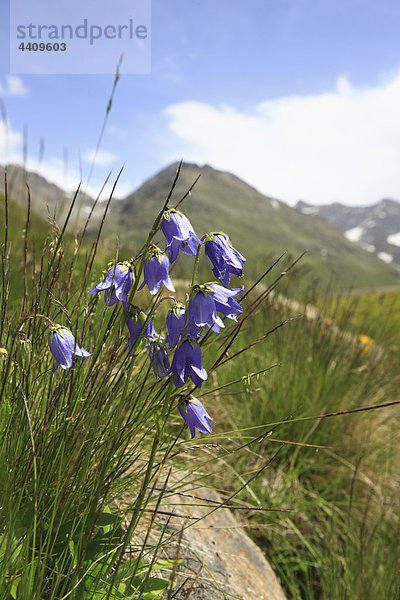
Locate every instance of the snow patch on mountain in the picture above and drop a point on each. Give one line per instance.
(366, 246)
(309, 210)
(371, 227)
(387, 258)
(354, 234)
(394, 239)
(274, 204)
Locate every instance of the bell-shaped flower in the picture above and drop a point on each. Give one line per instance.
(224, 300)
(202, 310)
(116, 285)
(63, 347)
(225, 258)
(179, 234)
(136, 326)
(159, 359)
(187, 362)
(156, 272)
(176, 319)
(195, 416)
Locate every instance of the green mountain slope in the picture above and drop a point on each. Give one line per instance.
(42, 236)
(46, 197)
(16, 242)
(259, 227)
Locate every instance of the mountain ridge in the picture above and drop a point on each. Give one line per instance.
(18, 179)
(259, 226)
(376, 227)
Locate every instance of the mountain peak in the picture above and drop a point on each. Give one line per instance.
(375, 228)
(261, 228)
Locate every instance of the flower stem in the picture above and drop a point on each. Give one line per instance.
(152, 233)
(196, 264)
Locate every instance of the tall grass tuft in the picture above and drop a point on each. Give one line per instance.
(335, 457)
(108, 366)
(94, 401)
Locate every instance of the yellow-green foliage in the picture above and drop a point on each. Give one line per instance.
(376, 314)
(340, 537)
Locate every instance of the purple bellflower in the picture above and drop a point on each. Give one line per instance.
(187, 362)
(225, 258)
(176, 319)
(195, 416)
(135, 326)
(179, 234)
(159, 359)
(63, 346)
(224, 302)
(202, 311)
(116, 285)
(156, 272)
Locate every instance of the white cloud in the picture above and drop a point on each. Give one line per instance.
(10, 143)
(338, 146)
(13, 87)
(101, 159)
(117, 131)
(54, 171)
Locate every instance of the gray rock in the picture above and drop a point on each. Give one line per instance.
(216, 558)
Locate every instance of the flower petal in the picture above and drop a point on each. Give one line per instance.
(62, 347)
(81, 352)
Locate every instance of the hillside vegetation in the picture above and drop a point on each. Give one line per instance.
(262, 227)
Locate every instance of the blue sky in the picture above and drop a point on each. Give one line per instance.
(300, 98)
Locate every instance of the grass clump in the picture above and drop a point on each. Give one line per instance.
(96, 394)
(94, 401)
(334, 458)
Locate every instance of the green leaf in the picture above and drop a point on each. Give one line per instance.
(112, 594)
(14, 588)
(73, 552)
(106, 519)
(154, 587)
(102, 543)
(155, 584)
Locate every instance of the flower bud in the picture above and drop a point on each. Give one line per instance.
(24, 353)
